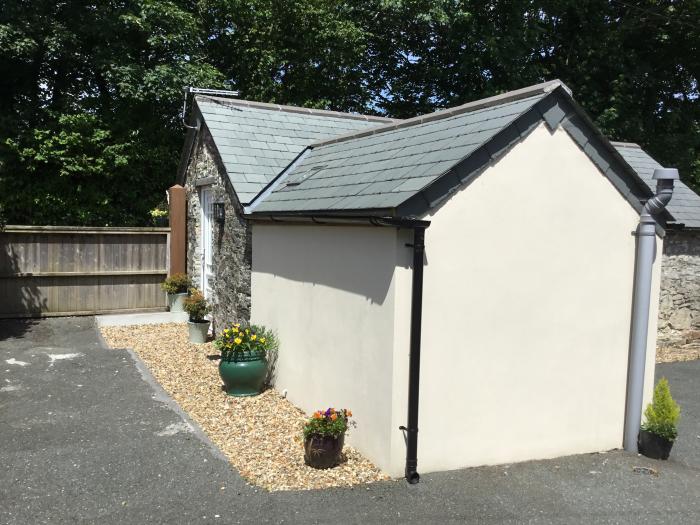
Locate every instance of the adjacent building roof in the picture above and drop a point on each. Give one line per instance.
(256, 141)
(406, 168)
(685, 204)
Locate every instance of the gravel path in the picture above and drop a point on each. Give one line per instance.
(261, 436)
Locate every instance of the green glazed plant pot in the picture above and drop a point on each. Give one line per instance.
(323, 452)
(198, 331)
(176, 302)
(245, 377)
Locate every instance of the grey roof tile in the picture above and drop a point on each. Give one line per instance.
(685, 203)
(257, 141)
(384, 169)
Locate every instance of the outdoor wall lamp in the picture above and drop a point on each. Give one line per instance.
(219, 212)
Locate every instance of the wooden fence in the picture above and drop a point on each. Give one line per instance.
(55, 270)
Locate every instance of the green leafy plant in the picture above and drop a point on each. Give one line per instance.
(663, 413)
(329, 422)
(240, 343)
(176, 283)
(196, 306)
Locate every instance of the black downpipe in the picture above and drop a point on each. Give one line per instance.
(414, 360)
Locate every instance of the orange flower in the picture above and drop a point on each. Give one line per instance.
(334, 417)
(317, 415)
(348, 413)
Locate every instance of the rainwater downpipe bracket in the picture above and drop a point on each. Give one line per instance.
(411, 428)
(639, 332)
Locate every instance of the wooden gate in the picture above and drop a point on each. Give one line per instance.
(58, 270)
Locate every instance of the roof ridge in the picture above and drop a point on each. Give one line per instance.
(625, 144)
(509, 96)
(294, 109)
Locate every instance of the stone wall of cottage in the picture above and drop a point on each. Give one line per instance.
(679, 311)
(231, 241)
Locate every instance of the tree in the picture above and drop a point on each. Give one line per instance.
(90, 95)
(90, 92)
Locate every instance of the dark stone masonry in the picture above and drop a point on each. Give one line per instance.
(231, 241)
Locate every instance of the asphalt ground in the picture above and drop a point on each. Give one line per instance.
(87, 436)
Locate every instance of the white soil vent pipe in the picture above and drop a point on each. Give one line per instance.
(646, 253)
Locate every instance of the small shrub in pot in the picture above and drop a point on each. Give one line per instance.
(176, 286)
(324, 437)
(197, 308)
(659, 429)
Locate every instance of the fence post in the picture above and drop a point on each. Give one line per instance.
(178, 234)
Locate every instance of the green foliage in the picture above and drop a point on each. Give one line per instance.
(240, 342)
(90, 92)
(662, 414)
(176, 283)
(329, 422)
(196, 306)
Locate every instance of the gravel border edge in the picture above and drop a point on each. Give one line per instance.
(160, 395)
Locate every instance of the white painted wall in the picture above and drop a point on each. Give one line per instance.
(527, 307)
(329, 294)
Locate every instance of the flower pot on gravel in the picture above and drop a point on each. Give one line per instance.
(177, 287)
(244, 376)
(243, 365)
(324, 437)
(198, 331)
(323, 452)
(176, 302)
(197, 307)
(654, 446)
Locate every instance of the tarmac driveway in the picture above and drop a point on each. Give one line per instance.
(85, 437)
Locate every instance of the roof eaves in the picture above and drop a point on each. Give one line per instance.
(292, 109)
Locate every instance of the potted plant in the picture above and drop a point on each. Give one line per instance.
(243, 365)
(176, 286)
(197, 307)
(159, 216)
(324, 437)
(659, 429)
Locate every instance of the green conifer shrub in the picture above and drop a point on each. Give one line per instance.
(663, 413)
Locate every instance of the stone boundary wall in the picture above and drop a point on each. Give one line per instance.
(679, 311)
(232, 241)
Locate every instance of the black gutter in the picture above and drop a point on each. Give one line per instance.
(339, 219)
(418, 246)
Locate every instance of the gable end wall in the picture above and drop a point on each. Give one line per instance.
(231, 241)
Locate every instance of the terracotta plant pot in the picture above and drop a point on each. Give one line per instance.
(176, 302)
(245, 376)
(198, 331)
(323, 451)
(653, 446)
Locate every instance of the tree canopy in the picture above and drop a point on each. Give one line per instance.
(90, 92)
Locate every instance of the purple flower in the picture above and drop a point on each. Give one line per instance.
(328, 412)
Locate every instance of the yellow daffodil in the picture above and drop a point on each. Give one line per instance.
(262, 339)
(235, 330)
(238, 340)
(253, 337)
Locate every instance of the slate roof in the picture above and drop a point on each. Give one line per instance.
(256, 141)
(685, 203)
(384, 168)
